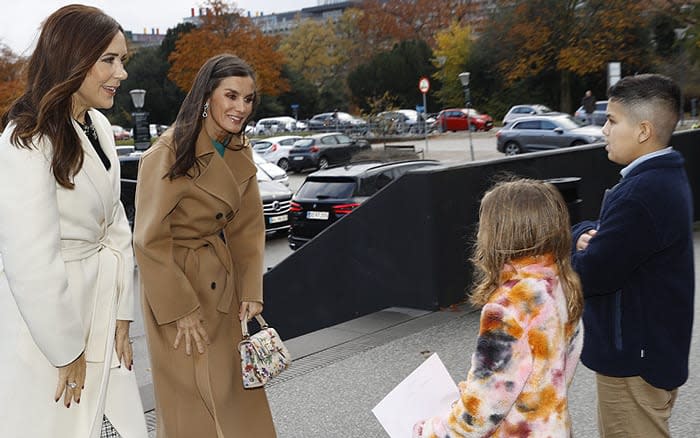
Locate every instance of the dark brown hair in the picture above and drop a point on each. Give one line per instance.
(189, 119)
(72, 40)
(520, 218)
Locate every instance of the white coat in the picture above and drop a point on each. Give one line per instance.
(66, 276)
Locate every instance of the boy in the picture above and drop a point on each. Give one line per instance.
(636, 265)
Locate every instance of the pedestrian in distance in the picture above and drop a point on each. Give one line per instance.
(588, 103)
(530, 333)
(636, 265)
(199, 237)
(66, 263)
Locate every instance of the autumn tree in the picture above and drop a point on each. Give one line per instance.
(225, 30)
(573, 38)
(11, 80)
(453, 46)
(388, 22)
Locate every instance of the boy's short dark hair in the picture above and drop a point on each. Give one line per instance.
(657, 97)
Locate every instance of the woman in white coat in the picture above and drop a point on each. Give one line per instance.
(66, 263)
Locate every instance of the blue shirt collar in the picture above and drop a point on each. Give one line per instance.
(625, 171)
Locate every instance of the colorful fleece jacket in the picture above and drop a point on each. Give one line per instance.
(525, 359)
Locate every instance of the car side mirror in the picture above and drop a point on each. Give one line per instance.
(558, 130)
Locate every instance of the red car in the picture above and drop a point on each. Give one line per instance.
(455, 119)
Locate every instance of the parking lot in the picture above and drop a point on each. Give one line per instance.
(451, 147)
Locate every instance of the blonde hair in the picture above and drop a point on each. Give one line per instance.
(520, 218)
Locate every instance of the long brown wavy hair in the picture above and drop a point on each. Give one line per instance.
(519, 218)
(189, 119)
(72, 40)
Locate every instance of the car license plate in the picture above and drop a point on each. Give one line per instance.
(320, 215)
(298, 158)
(278, 219)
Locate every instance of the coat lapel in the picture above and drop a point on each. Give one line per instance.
(216, 177)
(94, 170)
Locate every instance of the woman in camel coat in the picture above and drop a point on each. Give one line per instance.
(199, 241)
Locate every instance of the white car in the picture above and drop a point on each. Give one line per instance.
(268, 171)
(273, 125)
(276, 149)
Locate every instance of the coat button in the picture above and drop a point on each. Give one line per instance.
(219, 215)
(213, 285)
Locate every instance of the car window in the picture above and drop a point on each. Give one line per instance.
(328, 140)
(327, 189)
(261, 146)
(288, 142)
(343, 139)
(305, 142)
(529, 124)
(601, 106)
(547, 125)
(522, 110)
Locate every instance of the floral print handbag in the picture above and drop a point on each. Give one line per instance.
(263, 355)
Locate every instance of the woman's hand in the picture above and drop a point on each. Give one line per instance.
(252, 308)
(585, 239)
(191, 328)
(122, 344)
(71, 381)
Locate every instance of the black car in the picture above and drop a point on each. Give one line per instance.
(276, 200)
(330, 194)
(322, 150)
(275, 196)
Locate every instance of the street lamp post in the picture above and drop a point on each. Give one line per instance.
(142, 133)
(464, 79)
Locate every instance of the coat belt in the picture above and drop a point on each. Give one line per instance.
(110, 286)
(224, 256)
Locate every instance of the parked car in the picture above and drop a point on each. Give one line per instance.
(337, 121)
(600, 114)
(273, 125)
(276, 149)
(276, 199)
(120, 133)
(328, 195)
(270, 170)
(402, 121)
(322, 150)
(455, 119)
(518, 111)
(545, 132)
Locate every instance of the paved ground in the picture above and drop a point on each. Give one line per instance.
(340, 373)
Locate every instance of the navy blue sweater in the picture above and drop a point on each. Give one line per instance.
(638, 276)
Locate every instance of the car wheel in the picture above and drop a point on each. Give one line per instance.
(283, 163)
(511, 148)
(323, 163)
(472, 127)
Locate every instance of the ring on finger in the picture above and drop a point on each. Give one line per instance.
(72, 385)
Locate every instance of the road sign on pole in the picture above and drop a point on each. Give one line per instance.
(424, 85)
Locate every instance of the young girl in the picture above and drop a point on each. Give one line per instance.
(530, 333)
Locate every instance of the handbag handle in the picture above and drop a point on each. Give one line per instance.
(244, 324)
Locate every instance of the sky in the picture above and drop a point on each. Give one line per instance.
(20, 22)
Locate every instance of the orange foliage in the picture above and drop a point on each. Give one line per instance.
(385, 23)
(11, 80)
(564, 36)
(226, 31)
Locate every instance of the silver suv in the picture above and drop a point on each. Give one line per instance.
(545, 132)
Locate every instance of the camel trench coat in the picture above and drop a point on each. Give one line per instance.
(199, 243)
(66, 276)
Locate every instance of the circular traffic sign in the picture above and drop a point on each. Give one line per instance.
(424, 85)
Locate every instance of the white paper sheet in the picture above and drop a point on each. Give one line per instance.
(428, 391)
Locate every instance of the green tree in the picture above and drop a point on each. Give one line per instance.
(395, 72)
